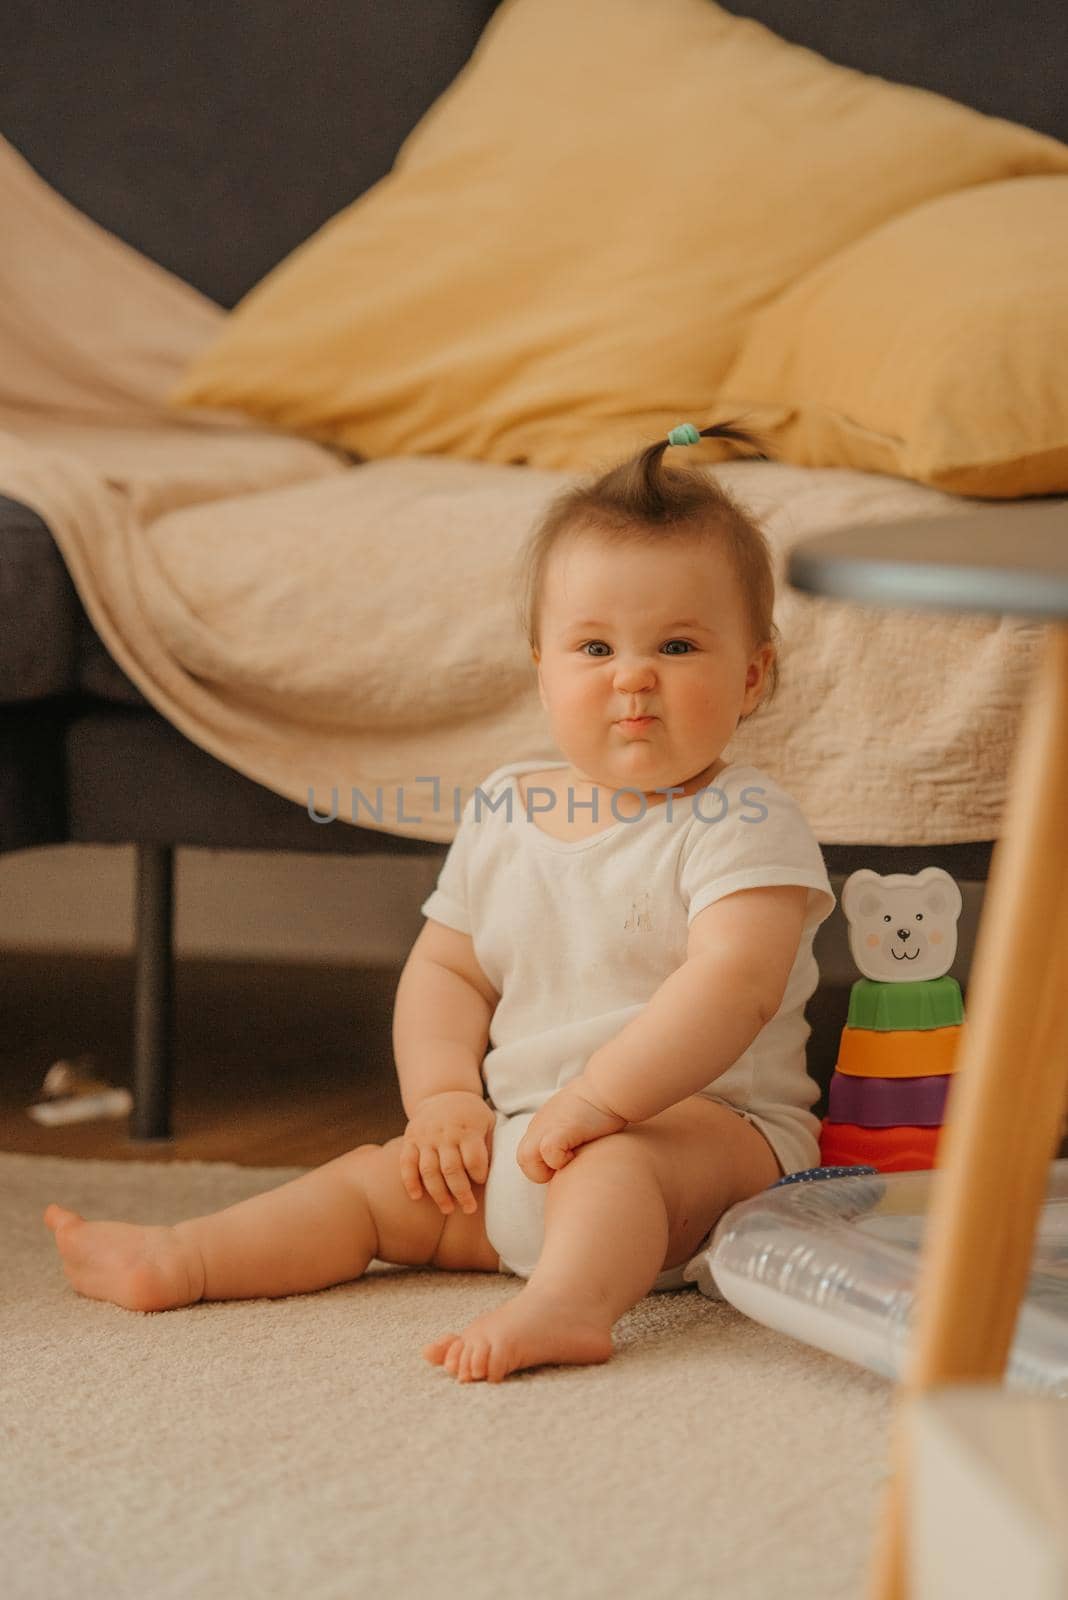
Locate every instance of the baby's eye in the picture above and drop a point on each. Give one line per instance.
(591, 642)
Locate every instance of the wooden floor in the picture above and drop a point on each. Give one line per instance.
(275, 1065)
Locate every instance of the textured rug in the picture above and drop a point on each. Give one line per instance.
(305, 1447)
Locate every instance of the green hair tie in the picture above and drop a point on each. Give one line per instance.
(685, 433)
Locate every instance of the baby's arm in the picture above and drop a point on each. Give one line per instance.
(708, 1012)
(441, 1016)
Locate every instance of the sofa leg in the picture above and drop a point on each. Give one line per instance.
(153, 992)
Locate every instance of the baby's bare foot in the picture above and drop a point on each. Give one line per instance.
(141, 1268)
(537, 1328)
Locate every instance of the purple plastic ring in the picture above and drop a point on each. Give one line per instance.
(889, 1102)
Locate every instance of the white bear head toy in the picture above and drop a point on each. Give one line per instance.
(902, 928)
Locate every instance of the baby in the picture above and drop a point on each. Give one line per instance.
(635, 947)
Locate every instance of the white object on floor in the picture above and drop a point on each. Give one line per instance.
(71, 1093)
(987, 1495)
(833, 1262)
(83, 1108)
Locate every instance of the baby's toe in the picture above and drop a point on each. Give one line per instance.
(469, 1359)
(438, 1349)
(478, 1360)
(500, 1362)
(58, 1217)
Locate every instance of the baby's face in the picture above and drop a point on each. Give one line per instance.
(636, 630)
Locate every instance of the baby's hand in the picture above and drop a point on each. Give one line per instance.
(557, 1130)
(447, 1144)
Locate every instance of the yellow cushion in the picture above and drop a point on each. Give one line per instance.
(566, 256)
(934, 348)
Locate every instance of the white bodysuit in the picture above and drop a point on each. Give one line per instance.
(576, 936)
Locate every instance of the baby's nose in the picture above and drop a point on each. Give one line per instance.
(635, 671)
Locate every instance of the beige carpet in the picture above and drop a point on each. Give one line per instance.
(303, 1447)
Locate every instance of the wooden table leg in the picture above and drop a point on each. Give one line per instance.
(1004, 1113)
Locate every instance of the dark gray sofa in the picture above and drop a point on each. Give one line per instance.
(214, 138)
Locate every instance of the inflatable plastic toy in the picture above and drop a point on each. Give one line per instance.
(833, 1263)
(898, 1050)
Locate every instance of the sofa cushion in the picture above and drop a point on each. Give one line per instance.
(131, 775)
(39, 609)
(96, 673)
(48, 646)
(571, 245)
(933, 349)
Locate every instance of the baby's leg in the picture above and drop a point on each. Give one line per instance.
(320, 1229)
(622, 1210)
(606, 1233)
(647, 1204)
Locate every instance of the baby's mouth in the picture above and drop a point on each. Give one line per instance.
(904, 955)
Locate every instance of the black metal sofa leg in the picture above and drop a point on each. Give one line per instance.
(153, 993)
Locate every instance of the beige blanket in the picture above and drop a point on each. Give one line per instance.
(327, 627)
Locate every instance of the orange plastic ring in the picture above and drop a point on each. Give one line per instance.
(901, 1053)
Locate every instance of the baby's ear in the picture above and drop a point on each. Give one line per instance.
(759, 667)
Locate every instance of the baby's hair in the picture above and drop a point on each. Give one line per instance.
(640, 501)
